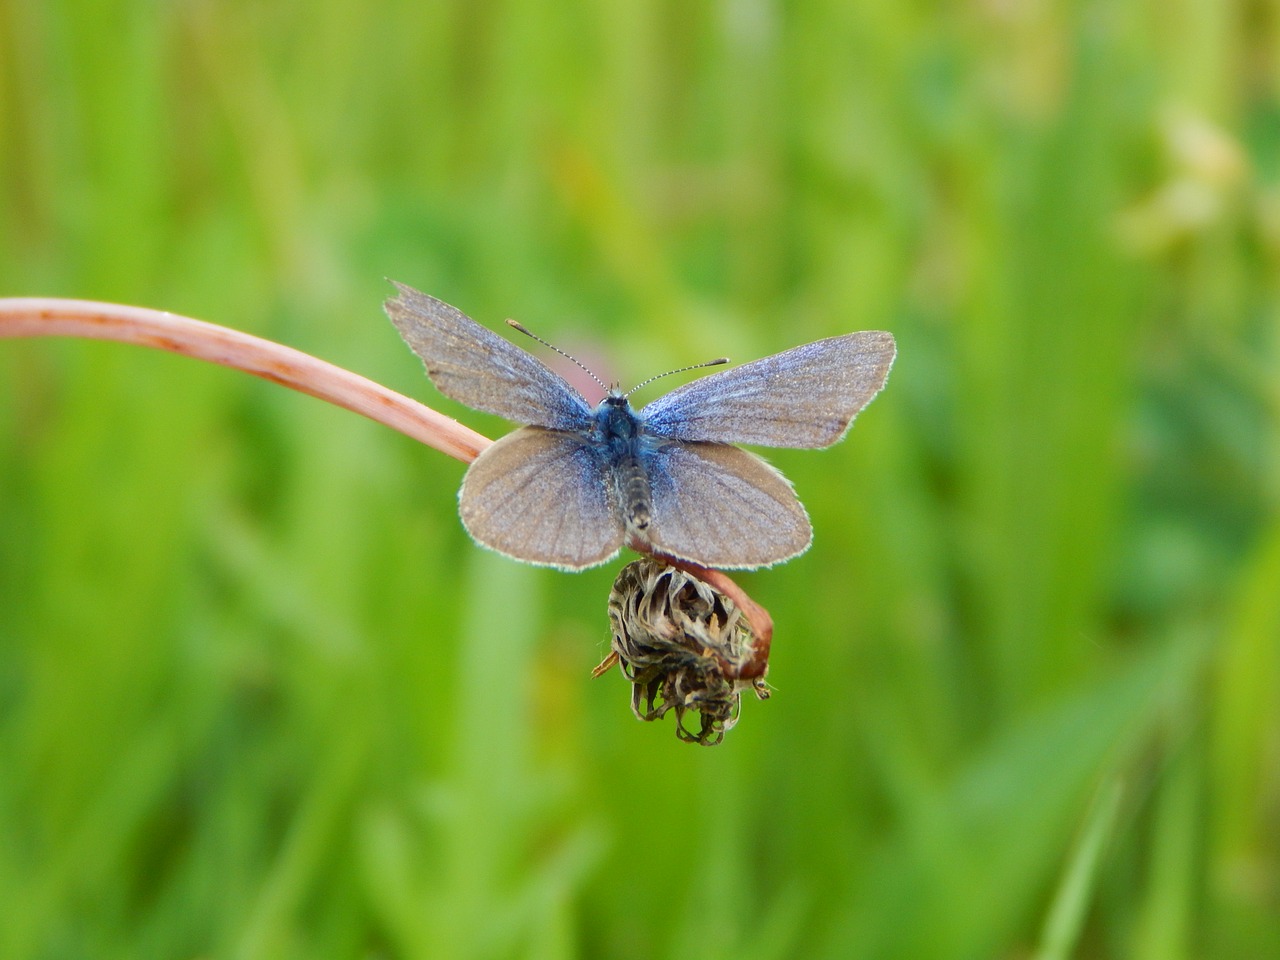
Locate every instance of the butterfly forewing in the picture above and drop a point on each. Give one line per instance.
(543, 496)
(803, 397)
(477, 367)
(724, 507)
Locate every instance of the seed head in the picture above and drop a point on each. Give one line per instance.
(683, 646)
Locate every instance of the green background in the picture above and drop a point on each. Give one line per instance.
(261, 697)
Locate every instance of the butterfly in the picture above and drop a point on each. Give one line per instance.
(575, 484)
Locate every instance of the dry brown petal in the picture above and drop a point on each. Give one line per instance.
(684, 647)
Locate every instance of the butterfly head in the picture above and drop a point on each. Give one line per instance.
(615, 418)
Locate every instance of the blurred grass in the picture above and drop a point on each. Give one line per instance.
(259, 697)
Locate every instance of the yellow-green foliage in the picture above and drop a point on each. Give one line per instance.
(261, 698)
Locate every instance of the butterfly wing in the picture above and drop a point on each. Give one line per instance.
(721, 506)
(477, 367)
(803, 397)
(542, 496)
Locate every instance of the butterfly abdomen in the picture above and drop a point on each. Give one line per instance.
(623, 436)
(635, 495)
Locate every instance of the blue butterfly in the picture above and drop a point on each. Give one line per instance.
(576, 484)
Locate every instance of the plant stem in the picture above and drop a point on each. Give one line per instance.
(48, 317)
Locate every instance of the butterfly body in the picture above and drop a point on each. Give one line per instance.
(576, 484)
(629, 446)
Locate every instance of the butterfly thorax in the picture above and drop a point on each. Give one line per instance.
(627, 441)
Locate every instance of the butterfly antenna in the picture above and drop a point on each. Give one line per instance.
(695, 366)
(515, 324)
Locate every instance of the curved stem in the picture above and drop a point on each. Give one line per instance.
(49, 317)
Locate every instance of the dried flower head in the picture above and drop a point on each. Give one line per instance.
(685, 647)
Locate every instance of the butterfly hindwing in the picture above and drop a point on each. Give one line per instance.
(723, 507)
(543, 496)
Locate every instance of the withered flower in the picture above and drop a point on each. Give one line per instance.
(684, 646)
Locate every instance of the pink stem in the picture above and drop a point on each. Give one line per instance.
(47, 317)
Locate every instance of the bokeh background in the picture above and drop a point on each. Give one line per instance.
(259, 695)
